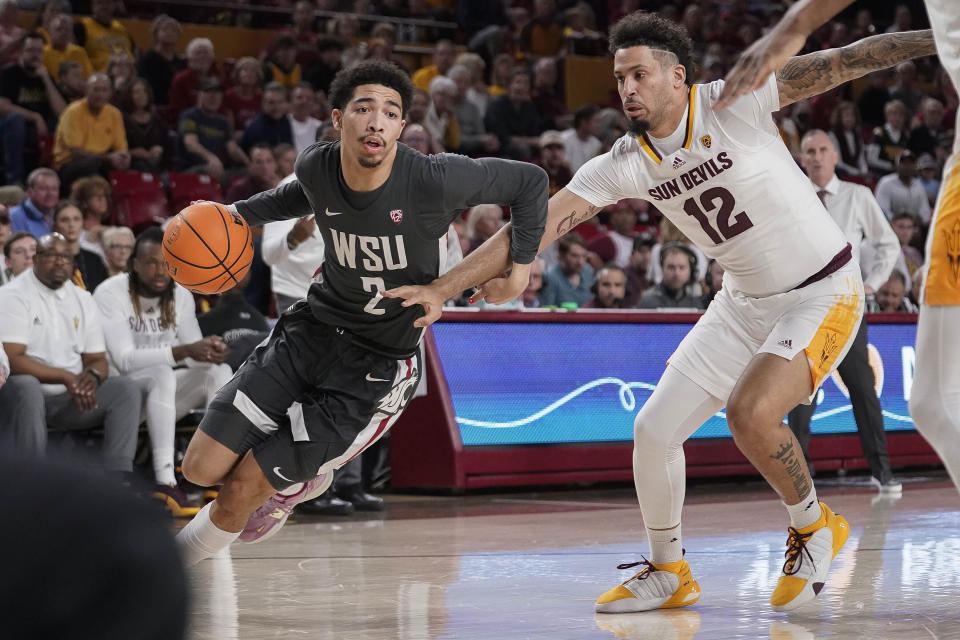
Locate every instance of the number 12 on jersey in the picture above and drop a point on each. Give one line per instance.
(376, 285)
(708, 200)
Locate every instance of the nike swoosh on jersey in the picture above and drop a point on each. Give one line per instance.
(372, 379)
(333, 213)
(276, 470)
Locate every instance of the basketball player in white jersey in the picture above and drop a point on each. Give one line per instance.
(935, 396)
(791, 302)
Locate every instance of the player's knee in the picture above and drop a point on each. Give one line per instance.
(195, 471)
(745, 414)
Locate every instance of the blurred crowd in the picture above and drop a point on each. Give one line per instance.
(88, 121)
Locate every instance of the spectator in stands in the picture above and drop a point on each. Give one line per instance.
(547, 96)
(61, 48)
(303, 126)
(18, 252)
(677, 266)
(474, 139)
(713, 284)
(386, 32)
(923, 137)
(514, 120)
(51, 333)
(29, 106)
(160, 64)
(262, 174)
(11, 34)
(244, 99)
(102, 35)
(553, 160)
(636, 271)
(846, 134)
(185, 87)
(294, 250)
(286, 157)
(239, 323)
(503, 68)
(92, 196)
(329, 61)
(892, 296)
(303, 33)
(440, 119)
(612, 127)
(271, 126)
(6, 226)
(328, 133)
(346, 27)
(90, 138)
(530, 298)
(890, 140)
(147, 135)
(609, 288)
(568, 281)
(581, 140)
(443, 55)
(616, 244)
(416, 137)
(71, 82)
(44, 20)
(874, 98)
(902, 191)
(580, 38)
(206, 137)
(117, 247)
(905, 226)
(483, 221)
(904, 90)
(929, 177)
(121, 72)
(416, 115)
(35, 214)
(88, 267)
(543, 35)
(901, 19)
(150, 325)
(479, 92)
(281, 63)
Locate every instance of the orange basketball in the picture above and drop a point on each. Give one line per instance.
(208, 249)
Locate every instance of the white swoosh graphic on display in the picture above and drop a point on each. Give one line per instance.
(629, 403)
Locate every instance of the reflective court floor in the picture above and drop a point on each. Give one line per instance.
(531, 565)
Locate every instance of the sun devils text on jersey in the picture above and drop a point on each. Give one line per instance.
(728, 182)
(396, 234)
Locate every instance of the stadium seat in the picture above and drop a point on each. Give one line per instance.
(140, 200)
(187, 187)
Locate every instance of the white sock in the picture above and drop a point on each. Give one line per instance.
(201, 538)
(806, 512)
(163, 466)
(666, 545)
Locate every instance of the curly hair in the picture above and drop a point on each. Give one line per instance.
(379, 72)
(168, 310)
(642, 29)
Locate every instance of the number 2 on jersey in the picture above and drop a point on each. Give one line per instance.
(376, 285)
(709, 201)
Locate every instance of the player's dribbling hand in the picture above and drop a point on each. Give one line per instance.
(502, 290)
(426, 296)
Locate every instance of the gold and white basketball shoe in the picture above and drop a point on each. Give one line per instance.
(661, 586)
(809, 553)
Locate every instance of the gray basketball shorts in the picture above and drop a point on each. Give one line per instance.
(308, 399)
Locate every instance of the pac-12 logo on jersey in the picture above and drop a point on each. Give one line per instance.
(396, 215)
(706, 141)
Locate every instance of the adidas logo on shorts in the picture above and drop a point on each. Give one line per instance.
(786, 344)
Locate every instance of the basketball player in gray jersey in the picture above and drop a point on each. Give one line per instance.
(340, 366)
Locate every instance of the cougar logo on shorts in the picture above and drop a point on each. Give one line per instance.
(394, 401)
(952, 238)
(830, 345)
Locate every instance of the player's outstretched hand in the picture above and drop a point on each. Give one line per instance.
(501, 290)
(763, 57)
(425, 295)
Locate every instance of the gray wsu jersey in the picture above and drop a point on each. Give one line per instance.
(395, 235)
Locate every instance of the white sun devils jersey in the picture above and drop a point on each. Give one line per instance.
(396, 234)
(728, 182)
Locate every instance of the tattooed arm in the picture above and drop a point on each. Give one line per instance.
(814, 73)
(483, 266)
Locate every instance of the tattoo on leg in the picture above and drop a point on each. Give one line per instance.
(568, 223)
(794, 465)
